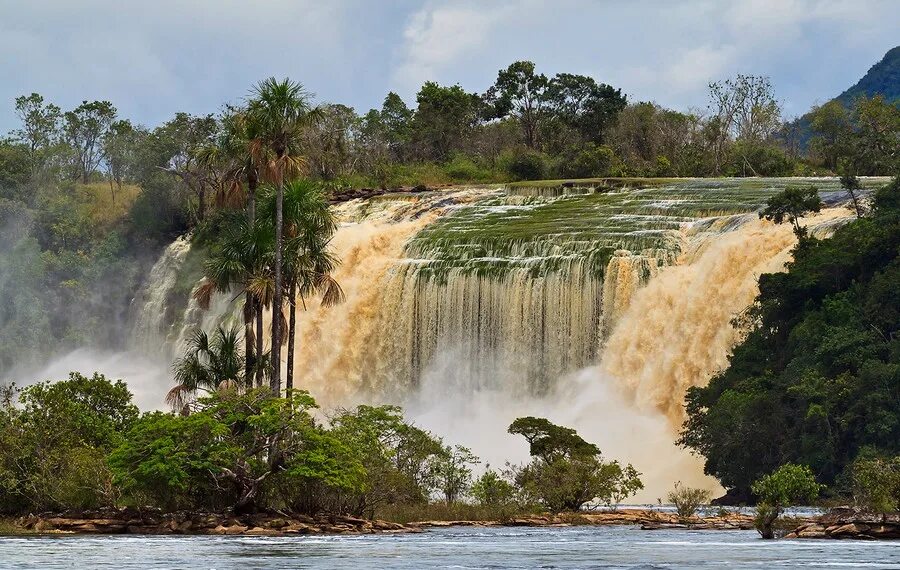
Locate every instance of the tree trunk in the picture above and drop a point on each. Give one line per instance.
(277, 297)
(252, 184)
(292, 332)
(259, 342)
(250, 354)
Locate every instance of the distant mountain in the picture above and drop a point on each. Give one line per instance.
(883, 78)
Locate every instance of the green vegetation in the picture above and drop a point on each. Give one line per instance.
(566, 471)
(687, 499)
(80, 443)
(875, 484)
(816, 380)
(791, 204)
(790, 484)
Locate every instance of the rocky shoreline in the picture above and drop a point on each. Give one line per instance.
(837, 524)
(133, 521)
(847, 523)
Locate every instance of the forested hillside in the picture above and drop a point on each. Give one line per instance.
(817, 381)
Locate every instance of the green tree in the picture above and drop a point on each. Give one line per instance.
(453, 472)
(788, 485)
(875, 484)
(208, 364)
(279, 111)
(444, 120)
(852, 185)
(84, 129)
(398, 457)
(584, 105)
(831, 124)
(566, 471)
(53, 441)
(791, 204)
(522, 93)
(40, 127)
(118, 146)
(492, 490)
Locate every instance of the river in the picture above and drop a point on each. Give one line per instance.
(463, 548)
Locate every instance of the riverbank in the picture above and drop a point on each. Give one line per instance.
(847, 523)
(132, 521)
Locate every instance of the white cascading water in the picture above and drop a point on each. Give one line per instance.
(151, 324)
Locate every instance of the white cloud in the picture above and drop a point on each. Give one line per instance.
(437, 36)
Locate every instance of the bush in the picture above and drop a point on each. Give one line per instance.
(876, 484)
(526, 164)
(787, 485)
(463, 169)
(587, 161)
(492, 490)
(687, 499)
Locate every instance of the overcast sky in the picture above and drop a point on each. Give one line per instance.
(153, 58)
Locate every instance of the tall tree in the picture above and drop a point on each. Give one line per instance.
(40, 126)
(444, 119)
(308, 263)
(118, 147)
(521, 92)
(744, 110)
(584, 105)
(84, 129)
(831, 125)
(279, 111)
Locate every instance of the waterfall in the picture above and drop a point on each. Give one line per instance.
(678, 331)
(153, 319)
(471, 307)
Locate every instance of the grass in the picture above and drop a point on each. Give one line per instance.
(101, 207)
(8, 527)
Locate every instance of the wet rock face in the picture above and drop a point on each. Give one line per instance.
(850, 523)
(133, 521)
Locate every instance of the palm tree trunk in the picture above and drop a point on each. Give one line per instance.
(277, 297)
(252, 183)
(250, 355)
(259, 342)
(292, 332)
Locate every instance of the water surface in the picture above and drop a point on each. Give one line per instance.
(459, 548)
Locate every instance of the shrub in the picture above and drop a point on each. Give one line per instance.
(526, 164)
(587, 161)
(876, 484)
(492, 490)
(687, 499)
(789, 484)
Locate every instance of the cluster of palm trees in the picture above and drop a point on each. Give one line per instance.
(272, 253)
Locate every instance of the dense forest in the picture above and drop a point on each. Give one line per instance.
(817, 380)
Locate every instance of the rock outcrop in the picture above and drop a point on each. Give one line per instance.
(148, 521)
(850, 523)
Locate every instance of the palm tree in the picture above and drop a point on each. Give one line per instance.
(309, 225)
(208, 364)
(277, 113)
(243, 262)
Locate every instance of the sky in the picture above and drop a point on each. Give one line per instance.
(152, 59)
